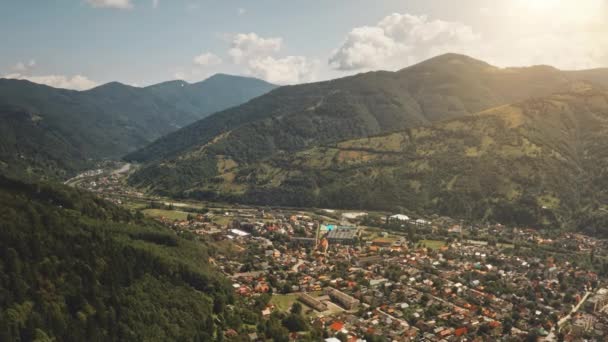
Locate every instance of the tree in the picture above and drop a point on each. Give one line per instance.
(295, 322)
(219, 305)
(296, 308)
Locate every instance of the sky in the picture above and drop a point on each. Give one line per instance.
(79, 44)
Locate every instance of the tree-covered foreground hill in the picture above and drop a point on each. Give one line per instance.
(76, 268)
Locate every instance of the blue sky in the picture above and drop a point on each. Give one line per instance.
(81, 43)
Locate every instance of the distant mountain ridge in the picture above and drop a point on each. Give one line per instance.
(446, 86)
(216, 93)
(295, 118)
(55, 132)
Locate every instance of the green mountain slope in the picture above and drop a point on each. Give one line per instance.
(214, 94)
(76, 268)
(55, 132)
(541, 161)
(293, 118)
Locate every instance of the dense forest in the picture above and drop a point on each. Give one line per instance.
(76, 268)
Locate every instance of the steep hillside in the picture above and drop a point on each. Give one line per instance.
(75, 268)
(293, 118)
(540, 161)
(55, 132)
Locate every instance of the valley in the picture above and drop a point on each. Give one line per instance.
(388, 271)
(448, 201)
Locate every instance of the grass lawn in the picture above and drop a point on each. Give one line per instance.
(133, 205)
(223, 220)
(284, 302)
(170, 214)
(432, 244)
(228, 248)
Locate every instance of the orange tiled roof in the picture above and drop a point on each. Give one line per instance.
(337, 326)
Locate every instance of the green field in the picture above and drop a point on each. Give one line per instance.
(134, 205)
(170, 214)
(222, 220)
(432, 244)
(284, 302)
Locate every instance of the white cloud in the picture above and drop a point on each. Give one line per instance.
(250, 45)
(77, 82)
(207, 59)
(399, 40)
(241, 11)
(119, 4)
(515, 33)
(287, 70)
(155, 3)
(259, 57)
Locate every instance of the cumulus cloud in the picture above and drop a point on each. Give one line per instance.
(287, 70)
(250, 45)
(119, 4)
(77, 82)
(515, 33)
(207, 59)
(399, 40)
(259, 57)
(255, 56)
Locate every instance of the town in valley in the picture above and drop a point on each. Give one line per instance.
(355, 275)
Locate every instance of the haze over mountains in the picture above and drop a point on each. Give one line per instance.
(284, 147)
(56, 132)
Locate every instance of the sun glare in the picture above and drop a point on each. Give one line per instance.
(542, 4)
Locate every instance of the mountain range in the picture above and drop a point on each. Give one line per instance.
(56, 132)
(450, 135)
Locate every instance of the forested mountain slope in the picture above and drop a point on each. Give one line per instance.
(76, 268)
(542, 161)
(56, 132)
(294, 118)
